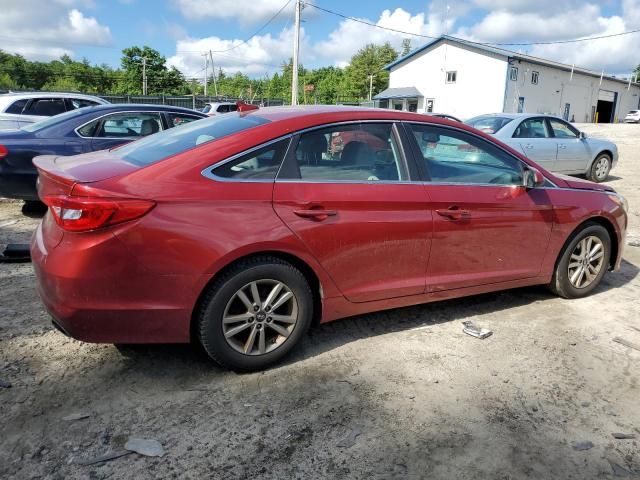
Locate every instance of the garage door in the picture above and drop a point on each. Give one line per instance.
(606, 95)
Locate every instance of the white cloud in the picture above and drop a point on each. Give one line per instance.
(262, 54)
(245, 12)
(41, 29)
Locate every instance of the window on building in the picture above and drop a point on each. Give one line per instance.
(430, 102)
(513, 74)
(534, 78)
(452, 76)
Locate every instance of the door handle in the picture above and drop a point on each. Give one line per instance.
(528, 145)
(316, 213)
(562, 147)
(454, 213)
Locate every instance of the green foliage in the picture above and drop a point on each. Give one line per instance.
(320, 85)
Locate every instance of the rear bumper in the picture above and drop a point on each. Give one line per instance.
(96, 293)
(18, 185)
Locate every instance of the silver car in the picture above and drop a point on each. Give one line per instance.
(552, 142)
(20, 109)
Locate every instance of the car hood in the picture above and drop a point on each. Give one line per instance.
(581, 184)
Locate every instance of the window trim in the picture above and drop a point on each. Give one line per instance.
(404, 159)
(455, 75)
(159, 112)
(208, 171)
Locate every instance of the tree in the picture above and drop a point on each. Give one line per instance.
(160, 79)
(369, 60)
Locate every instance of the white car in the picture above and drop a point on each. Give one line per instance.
(632, 117)
(218, 108)
(20, 109)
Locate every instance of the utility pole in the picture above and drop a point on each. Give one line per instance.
(213, 69)
(296, 50)
(144, 75)
(206, 62)
(370, 86)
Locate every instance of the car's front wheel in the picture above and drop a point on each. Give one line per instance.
(255, 313)
(600, 168)
(583, 262)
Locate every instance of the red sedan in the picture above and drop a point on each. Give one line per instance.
(241, 230)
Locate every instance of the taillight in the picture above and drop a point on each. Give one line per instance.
(81, 214)
(3, 151)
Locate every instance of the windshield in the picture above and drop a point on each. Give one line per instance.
(161, 145)
(49, 121)
(206, 108)
(488, 124)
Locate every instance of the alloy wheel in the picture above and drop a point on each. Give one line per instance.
(259, 317)
(586, 261)
(602, 168)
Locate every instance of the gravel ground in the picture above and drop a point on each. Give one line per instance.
(398, 394)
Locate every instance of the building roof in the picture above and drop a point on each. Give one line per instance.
(403, 92)
(508, 54)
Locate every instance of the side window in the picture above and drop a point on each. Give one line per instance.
(123, 125)
(80, 103)
(262, 164)
(223, 109)
(357, 152)
(562, 130)
(233, 108)
(452, 156)
(176, 119)
(46, 107)
(532, 128)
(17, 106)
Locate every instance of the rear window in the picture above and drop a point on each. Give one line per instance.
(179, 139)
(488, 124)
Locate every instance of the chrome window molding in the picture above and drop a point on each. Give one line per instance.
(117, 113)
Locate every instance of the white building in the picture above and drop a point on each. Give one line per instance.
(465, 79)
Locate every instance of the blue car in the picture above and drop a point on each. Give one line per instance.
(79, 131)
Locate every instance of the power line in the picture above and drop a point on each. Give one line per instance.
(257, 31)
(489, 44)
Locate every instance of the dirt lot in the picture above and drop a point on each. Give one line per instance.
(400, 394)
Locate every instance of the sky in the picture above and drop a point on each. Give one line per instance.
(182, 30)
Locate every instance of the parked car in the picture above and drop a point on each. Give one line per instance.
(218, 108)
(445, 115)
(632, 117)
(552, 143)
(79, 131)
(240, 230)
(20, 109)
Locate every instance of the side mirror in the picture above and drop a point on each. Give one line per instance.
(583, 135)
(532, 178)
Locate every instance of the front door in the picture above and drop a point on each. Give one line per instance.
(344, 191)
(533, 137)
(573, 152)
(487, 228)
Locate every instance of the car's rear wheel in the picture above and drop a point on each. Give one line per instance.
(583, 262)
(600, 168)
(255, 313)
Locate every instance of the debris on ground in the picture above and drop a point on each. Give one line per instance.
(618, 470)
(627, 343)
(474, 330)
(586, 445)
(634, 243)
(5, 384)
(76, 416)
(146, 447)
(102, 458)
(350, 439)
(623, 436)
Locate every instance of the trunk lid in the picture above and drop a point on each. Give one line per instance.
(85, 168)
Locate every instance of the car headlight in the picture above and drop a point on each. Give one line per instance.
(620, 200)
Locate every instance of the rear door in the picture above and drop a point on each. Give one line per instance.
(487, 228)
(534, 139)
(573, 152)
(356, 210)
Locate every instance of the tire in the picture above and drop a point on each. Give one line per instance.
(224, 304)
(561, 282)
(600, 168)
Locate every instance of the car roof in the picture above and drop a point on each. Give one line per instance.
(517, 115)
(9, 98)
(142, 107)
